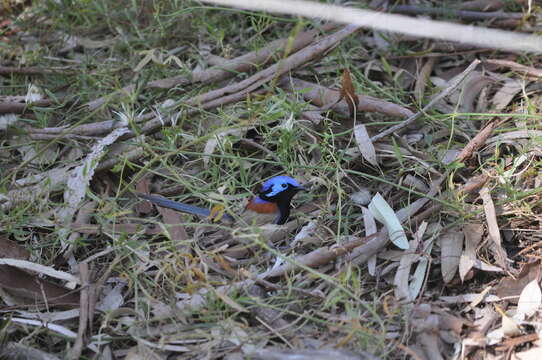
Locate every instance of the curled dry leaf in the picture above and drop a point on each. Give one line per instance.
(348, 92)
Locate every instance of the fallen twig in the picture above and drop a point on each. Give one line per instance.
(244, 63)
(21, 108)
(514, 66)
(322, 96)
(460, 14)
(218, 97)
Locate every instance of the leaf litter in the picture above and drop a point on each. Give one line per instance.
(422, 163)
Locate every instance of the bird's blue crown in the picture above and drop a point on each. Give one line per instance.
(277, 184)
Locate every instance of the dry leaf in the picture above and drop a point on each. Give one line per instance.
(529, 301)
(216, 139)
(402, 275)
(365, 145)
(11, 249)
(473, 235)
(31, 289)
(173, 220)
(383, 212)
(451, 244)
(506, 93)
(493, 228)
(509, 326)
(421, 79)
(370, 228)
(143, 186)
(348, 92)
(510, 287)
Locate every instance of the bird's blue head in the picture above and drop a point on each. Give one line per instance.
(278, 184)
(280, 190)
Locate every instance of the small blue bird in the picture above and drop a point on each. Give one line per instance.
(273, 199)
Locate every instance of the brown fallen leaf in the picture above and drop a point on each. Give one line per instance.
(11, 249)
(512, 287)
(173, 220)
(30, 289)
(143, 186)
(348, 92)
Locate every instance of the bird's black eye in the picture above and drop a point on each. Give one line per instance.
(284, 185)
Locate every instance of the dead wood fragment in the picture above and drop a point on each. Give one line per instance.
(322, 96)
(514, 66)
(461, 14)
(317, 257)
(222, 96)
(86, 311)
(476, 142)
(510, 343)
(230, 68)
(95, 128)
(271, 286)
(21, 108)
(276, 70)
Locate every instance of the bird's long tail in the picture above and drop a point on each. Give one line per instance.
(179, 206)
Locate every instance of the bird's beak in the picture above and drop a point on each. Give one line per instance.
(301, 188)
